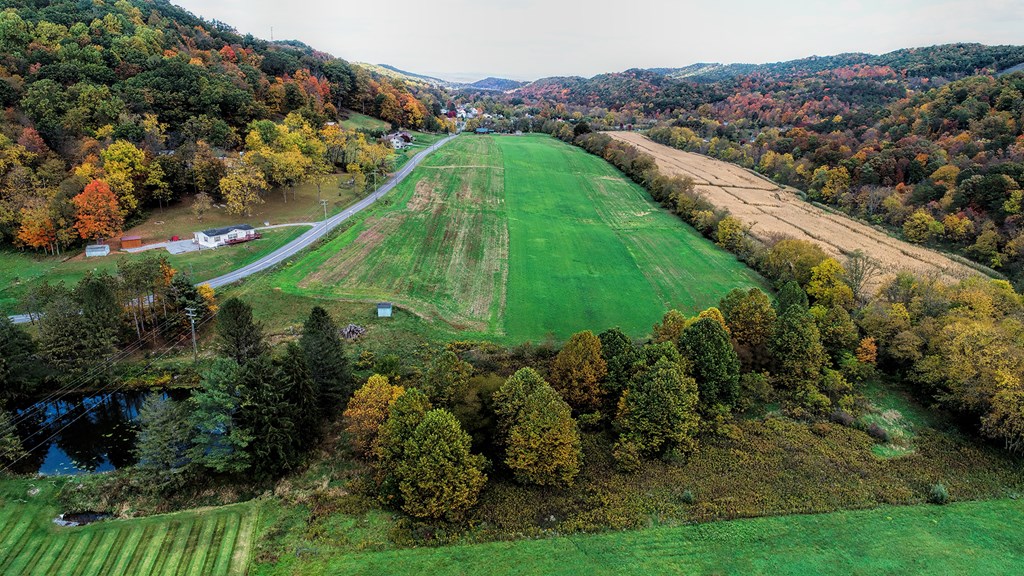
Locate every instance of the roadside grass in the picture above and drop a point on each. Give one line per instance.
(209, 541)
(357, 121)
(20, 272)
(422, 140)
(966, 538)
(519, 238)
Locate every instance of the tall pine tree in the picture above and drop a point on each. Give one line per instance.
(325, 357)
(241, 337)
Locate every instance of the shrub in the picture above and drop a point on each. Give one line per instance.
(876, 431)
(938, 494)
(688, 497)
(842, 417)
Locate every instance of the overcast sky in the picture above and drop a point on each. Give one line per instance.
(527, 39)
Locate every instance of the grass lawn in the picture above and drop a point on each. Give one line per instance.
(357, 121)
(20, 271)
(519, 238)
(301, 206)
(212, 541)
(967, 538)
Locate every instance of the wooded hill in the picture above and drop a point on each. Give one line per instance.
(77, 77)
(926, 141)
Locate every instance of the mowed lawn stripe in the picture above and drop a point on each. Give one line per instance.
(101, 549)
(227, 544)
(199, 547)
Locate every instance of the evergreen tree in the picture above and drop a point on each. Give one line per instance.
(165, 436)
(300, 391)
(101, 310)
(714, 363)
(439, 477)
(659, 411)
(544, 444)
(325, 356)
(241, 337)
(578, 369)
(446, 379)
(404, 415)
(220, 442)
(20, 370)
(10, 444)
(267, 417)
(65, 343)
(797, 350)
(791, 294)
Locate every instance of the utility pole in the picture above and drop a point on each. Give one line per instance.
(324, 203)
(191, 313)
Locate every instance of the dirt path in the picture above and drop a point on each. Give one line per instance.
(771, 210)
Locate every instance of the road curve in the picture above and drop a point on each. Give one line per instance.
(315, 233)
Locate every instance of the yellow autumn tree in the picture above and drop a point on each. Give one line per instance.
(367, 410)
(578, 369)
(242, 188)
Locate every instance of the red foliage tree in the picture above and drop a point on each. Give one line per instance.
(98, 214)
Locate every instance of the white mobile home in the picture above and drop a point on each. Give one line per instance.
(215, 237)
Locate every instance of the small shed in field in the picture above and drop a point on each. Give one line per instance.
(131, 242)
(94, 250)
(384, 310)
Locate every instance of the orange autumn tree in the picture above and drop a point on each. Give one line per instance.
(37, 229)
(98, 212)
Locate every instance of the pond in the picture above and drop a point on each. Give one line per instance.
(79, 434)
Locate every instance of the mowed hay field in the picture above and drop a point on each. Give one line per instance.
(772, 210)
(968, 538)
(214, 541)
(522, 238)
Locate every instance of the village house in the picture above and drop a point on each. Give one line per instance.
(399, 140)
(215, 237)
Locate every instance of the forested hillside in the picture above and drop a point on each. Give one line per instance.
(107, 90)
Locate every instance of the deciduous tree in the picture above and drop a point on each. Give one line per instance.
(577, 370)
(98, 212)
(440, 478)
(367, 410)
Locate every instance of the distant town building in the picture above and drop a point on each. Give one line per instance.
(384, 310)
(215, 237)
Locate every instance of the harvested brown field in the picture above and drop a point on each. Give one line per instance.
(771, 211)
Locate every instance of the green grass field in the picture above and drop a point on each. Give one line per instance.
(214, 541)
(357, 121)
(521, 238)
(967, 538)
(20, 271)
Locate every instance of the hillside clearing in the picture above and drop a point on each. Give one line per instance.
(521, 238)
(771, 211)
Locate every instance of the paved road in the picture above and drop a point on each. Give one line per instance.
(317, 232)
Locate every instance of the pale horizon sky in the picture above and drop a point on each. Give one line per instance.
(466, 40)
